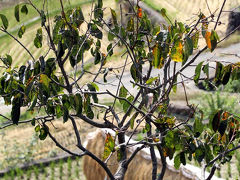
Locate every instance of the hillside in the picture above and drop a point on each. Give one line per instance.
(185, 10)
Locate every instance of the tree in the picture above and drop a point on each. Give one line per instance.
(147, 47)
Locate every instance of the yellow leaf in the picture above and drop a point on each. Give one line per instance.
(44, 80)
(208, 39)
(224, 138)
(165, 152)
(177, 52)
(156, 139)
(109, 146)
(158, 60)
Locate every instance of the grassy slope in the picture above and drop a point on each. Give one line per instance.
(9, 46)
(181, 10)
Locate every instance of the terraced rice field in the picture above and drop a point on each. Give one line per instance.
(183, 11)
(186, 10)
(9, 46)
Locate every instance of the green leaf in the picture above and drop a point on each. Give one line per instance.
(33, 122)
(177, 161)
(114, 18)
(4, 21)
(78, 17)
(100, 4)
(110, 36)
(169, 139)
(98, 13)
(197, 72)
(126, 105)
(110, 49)
(7, 60)
(38, 39)
(36, 70)
(151, 80)
(158, 61)
(21, 31)
(97, 58)
(42, 63)
(199, 154)
(95, 31)
(109, 146)
(130, 25)
(44, 80)
(92, 89)
(65, 114)
(43, 18)
(37, 128)
(222, 127)
(66, 101)
(16, 105)
(95, 86)
(50, 108)
(156, 30)
(163, 12)
(198, 126)
(21, 73)
(147, 127)
(133, 71)
(226, 74)
(50, 66)
(208, 153)
(195, 39)
(188, 46)
(175, 84)
(214, 39)
(206, 69)
(59, 112)
(43, 133)
(16, 13)
(182, 158)
(24, 9)
(132, 120)
(29, 86)
(119, 155)
(123, 93)
(216, 120)
(218, 73)
(78, 103)
(60, 50)
(87, 107)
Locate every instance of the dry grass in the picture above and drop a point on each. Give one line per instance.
(18, 139)
(140, 167)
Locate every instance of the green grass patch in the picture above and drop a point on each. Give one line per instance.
(233, 39)
(157, 7)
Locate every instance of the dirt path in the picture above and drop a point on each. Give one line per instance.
(219, 55)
